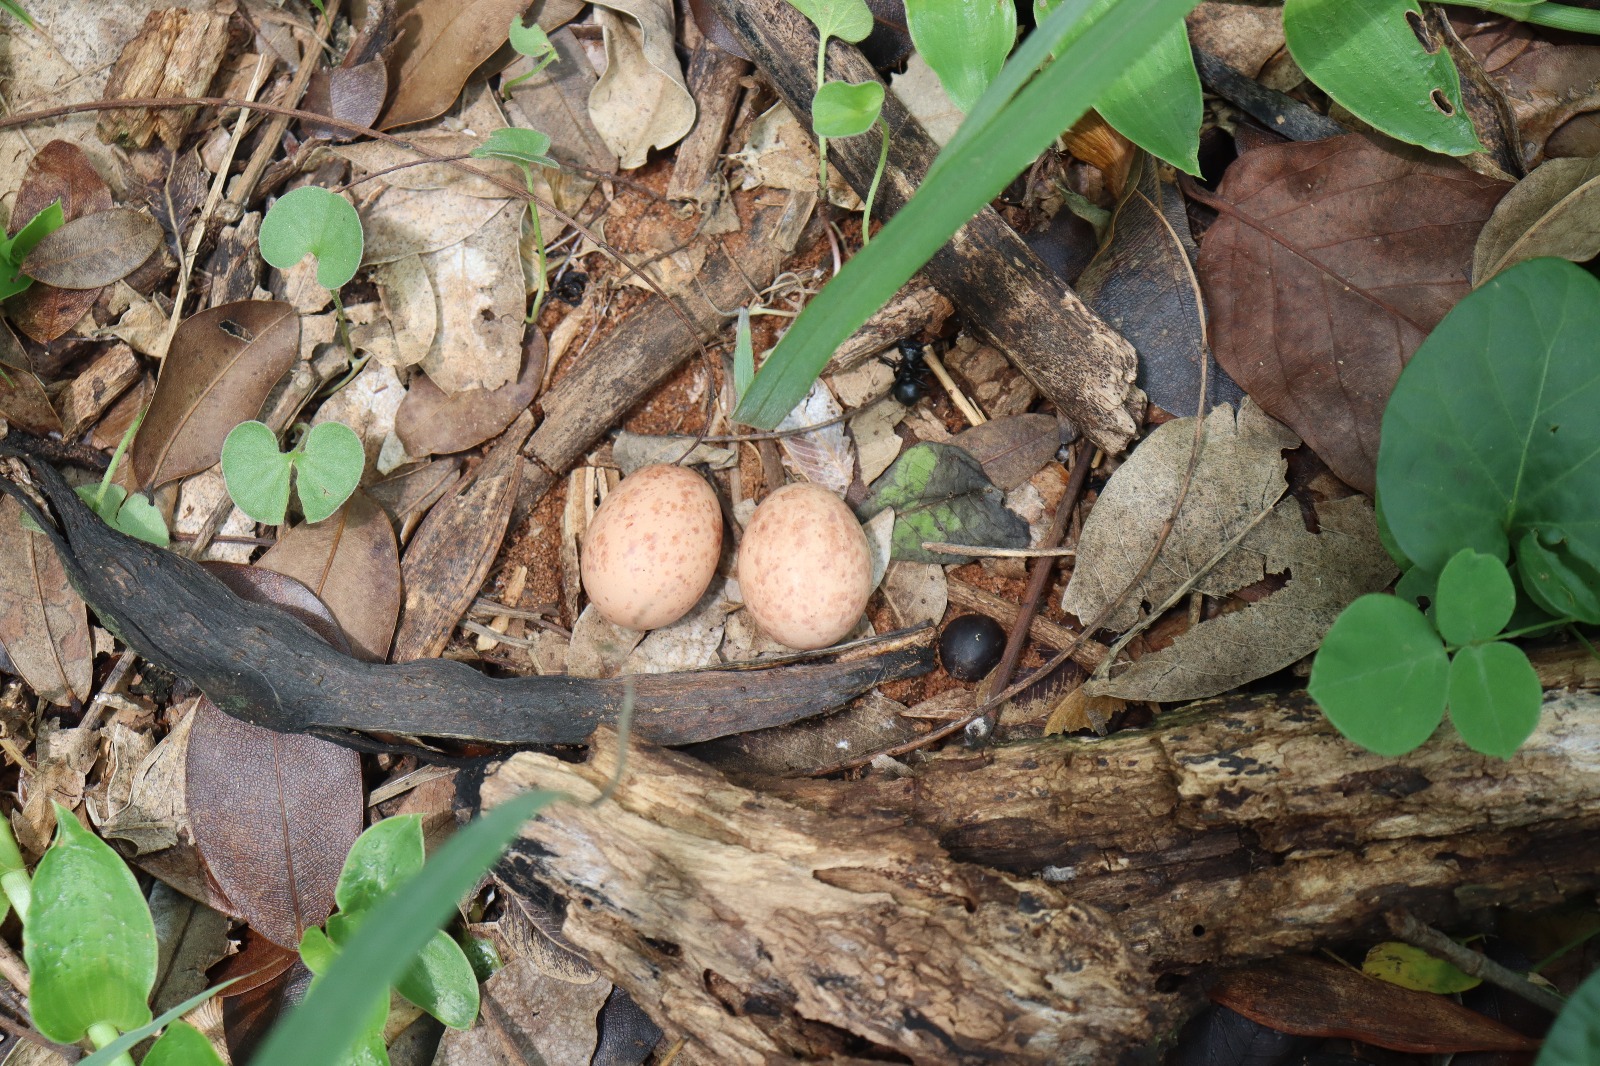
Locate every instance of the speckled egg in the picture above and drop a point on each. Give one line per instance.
(804, 568)
(652, 547)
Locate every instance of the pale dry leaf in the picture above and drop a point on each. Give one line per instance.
(1326, 571)
(198, 498)
(404, 222)
(916, 593)
(634, 450)
(877, 444)
(409, 306)
(367, 405)
(690, 643)
(192, 938)
(44, 625)
(1240, 474)
(641, 100)
(779, 154)
(554, 1021)
(920, 90)
(156, 814)
(63, 759)
(880, 542)
(1242, 33)
(480, 288)
(302, 290)
(556, 103)
(125, 751)
(863, 383)
(598, 648)
(1553, 211)
(142, 325)
(743, 640)
(823, 456)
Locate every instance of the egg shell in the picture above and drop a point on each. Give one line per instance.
(651, 549)
(804, 567)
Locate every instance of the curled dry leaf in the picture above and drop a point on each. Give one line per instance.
(440, 44)
(43, 624)
(1551, 86)
(429, 422)
(1553, 211)
(60, 171)
(352, 562)
(1142, 282)
(95, 250)
(1330, 263)
(218, 371)
(634, 450)
(25, 404)
(273, 814)
(641, 100)
(823, 456)
(1012, 449)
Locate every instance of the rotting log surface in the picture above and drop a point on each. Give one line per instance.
(265, 667)
(1078, 362)
(1069, 873)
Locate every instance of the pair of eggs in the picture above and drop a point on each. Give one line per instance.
(651, 552)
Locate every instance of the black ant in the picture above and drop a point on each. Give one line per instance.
(570, 286)
(910, 373)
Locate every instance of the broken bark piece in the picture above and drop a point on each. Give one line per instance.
(96, 389)
(260, 665)
(918, 306)
(1075, 359)
(714, 82)
(766, 932)
(177, 53)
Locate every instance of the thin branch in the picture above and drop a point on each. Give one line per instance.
(1405, 926)
(945, 548)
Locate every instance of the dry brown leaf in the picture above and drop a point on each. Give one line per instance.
(877, 444)
(690, 643)
(25, 404)
(192, 938)
(408, 306)
(93, 251)
(221, 365)
(403, 222)
(641, 100)
(635, 450)
(350, 94)
(176, 54)
(60, 171)
(44, 625)
(408, 493)
(1239, 475)
(351, 561)
(1548, 84)
(823, 456)
(1012, 449)
(1242, 33)
(1553, 211)
(537, 1019)
(482, 294)
(1330, 263)
(598, 648)
(62, 761)
(440, 44)
(1079, 711)
(916, 593)
(429, 422)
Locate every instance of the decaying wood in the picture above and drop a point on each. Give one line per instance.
(88, 395)
(1240, 828)
(916, 307)
(767, 933)
(177, 53)
(1081, 364)
(714, 78)
(644, 350)
(261, 665)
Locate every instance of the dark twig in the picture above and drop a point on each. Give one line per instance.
(1405, 926)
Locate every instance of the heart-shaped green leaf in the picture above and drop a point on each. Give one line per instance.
(384, 856)
(1494, 426)
(1557, 580)
(182, 1045)
(1475, 597)
(1494, 697)
(843, 109)
(529, 39)
(848, 20)
(256, 472)
(965, 42)
(1370, 56)
(529, 147)
(1380, 675)
(89, 942)
(328, 469)
(313, 221)
(442, 983)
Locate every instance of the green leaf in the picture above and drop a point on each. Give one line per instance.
(366, 1047)
(14, 250)
(1386, 538)
(843, 109)
(1494, 426)
(965, 42)
(182, 1045)
(385, 856)
(1366, 55)
(1411, 967)
(89, 942)
(1557, 580)
(940, 492)
(441, 982)
(744, 356)
(1475, 597)
(1011, 124)
(256, 472)
(1574, 1040)
(107, 1056)
(1158, 105)
(528, 147)
(134, 515)
(313, 221)
(848, 20)
(330, 1018)
(1380, 675)
(317, 951)
(328, 469)
(15, 9)
(529, 39)
(1494, 697)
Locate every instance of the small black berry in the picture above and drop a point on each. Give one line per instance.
(971, 646)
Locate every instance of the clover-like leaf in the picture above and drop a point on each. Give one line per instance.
(134, 515)
(327, 469)
(529, 39)
(256, 472)
(1557, 579)
(528, 147)
(1494, 697)
(844, 109)
(89, 942)
(1380, 675)
(182, 1045)
(848, 20)
(313, 221)
(1475, 597)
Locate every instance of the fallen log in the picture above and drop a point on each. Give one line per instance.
(260, 664)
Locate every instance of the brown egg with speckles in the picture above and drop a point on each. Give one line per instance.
(652, 547)
(804, 568)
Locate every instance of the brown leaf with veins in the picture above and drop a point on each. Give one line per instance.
(1330, 263)
(43, 624)
(59, 171)
(431, 422)
(1548, 85)
(93, 251)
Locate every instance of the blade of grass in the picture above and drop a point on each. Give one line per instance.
(321, 1029)
(1029, 116)
(129, 1040)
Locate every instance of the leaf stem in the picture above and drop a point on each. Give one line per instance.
(872, 190)
(543, 288)
(102, 1034)
(116, 457)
